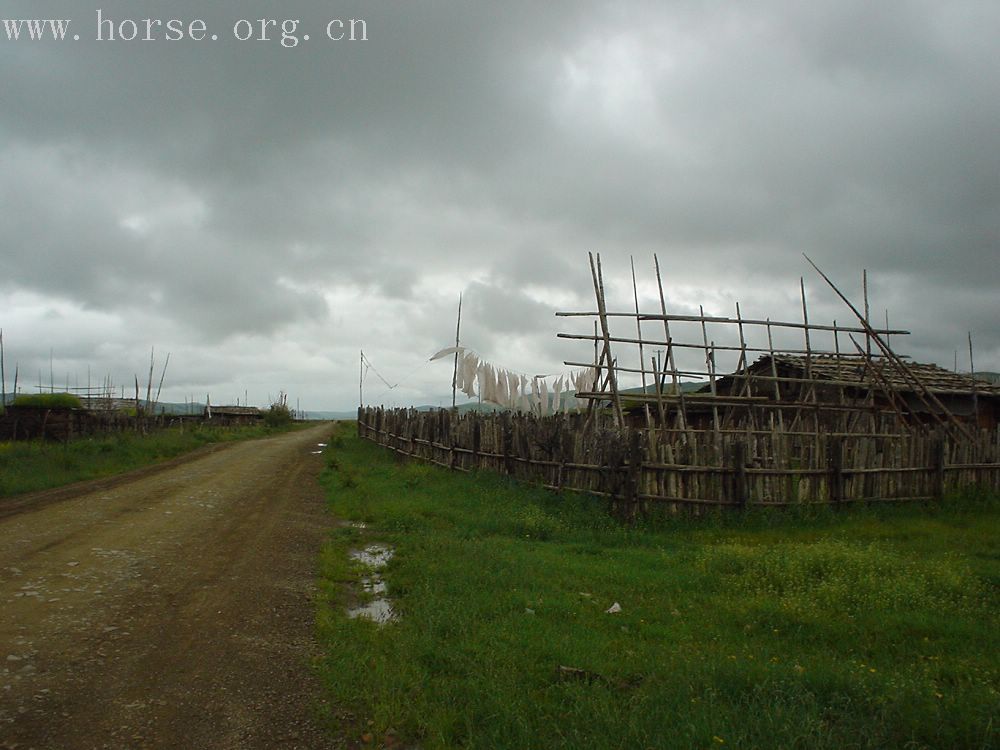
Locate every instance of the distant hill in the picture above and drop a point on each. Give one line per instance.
(328, 415)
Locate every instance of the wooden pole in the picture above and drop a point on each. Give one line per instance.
(710, 367)
(744, 367)
(595, 272)
(670, 352)
(162, 375)
(149, 382)
(972, 374)
(3, 376)
(810, 394)
(925, 395)
(864, 283)
(454, 375)
(638, 333)
(774, 375)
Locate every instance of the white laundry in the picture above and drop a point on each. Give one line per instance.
(470, 364)
(447, 351)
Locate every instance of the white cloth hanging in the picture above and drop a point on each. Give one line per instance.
(447, 351)
(470, 364)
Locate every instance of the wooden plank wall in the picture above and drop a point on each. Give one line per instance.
(636, 468)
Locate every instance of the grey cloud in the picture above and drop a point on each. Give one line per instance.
(230, 189)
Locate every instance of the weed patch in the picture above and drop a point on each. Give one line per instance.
(864, 628)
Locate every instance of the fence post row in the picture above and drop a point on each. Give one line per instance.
(774, 467)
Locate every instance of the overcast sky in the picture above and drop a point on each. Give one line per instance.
(264, 211)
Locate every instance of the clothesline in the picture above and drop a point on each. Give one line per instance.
(517, 391)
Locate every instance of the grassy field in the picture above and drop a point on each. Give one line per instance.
(860, 629)
(26, 466)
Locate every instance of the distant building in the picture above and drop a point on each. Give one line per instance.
(233, 415)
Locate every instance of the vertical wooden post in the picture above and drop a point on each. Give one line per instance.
(642, 355)
(975, 394)
(454, 375)
(508, 446)
(3, 376)
(710, 368)
(477, 440)
(739, 459)
(602, 311)
(835, 464)
(774, 376)
(940, 449)
(678, 391)
(635, 460)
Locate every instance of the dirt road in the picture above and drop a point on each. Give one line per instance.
(169, 610)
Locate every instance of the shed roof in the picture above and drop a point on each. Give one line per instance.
(857, 369)
(236, 411)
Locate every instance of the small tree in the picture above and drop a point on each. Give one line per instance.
(278, 414)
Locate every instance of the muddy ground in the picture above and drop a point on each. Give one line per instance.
(171, 608)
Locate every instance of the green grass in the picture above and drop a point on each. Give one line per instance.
(26, 466)
(868, 628)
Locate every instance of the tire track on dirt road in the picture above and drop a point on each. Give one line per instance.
(171, 609)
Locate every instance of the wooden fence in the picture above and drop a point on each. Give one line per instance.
(636, 468)
(57, 423)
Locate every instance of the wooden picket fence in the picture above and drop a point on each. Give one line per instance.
(636, 468)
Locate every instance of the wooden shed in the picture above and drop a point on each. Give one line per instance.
(233, 415)
(830, 384)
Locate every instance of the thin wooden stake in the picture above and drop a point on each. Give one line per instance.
(149, 382)
(678, 391)
(923, 393)
(774, 374)
(3, 376)
(710, 367)
(163, 374)
(638, 333)
(972, 375)
(454, 376)
(595, 271)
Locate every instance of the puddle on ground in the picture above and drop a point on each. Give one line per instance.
(320, 445)
(316, 453)
(374, 555)
(379, 611)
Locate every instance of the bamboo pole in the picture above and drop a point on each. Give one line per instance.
(885, 385)
(149, 381)
(638, 333)
(595, 271)
(710, 366)
(676, 317)
(683, 345)
(3, 376)
(774, 374)
(924, 394)
(972, 375)
(162, 375)
(454, 375)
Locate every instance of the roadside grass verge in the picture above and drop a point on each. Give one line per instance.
(27, 466)
(867, 628)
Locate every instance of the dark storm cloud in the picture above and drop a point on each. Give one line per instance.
(228, 189)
